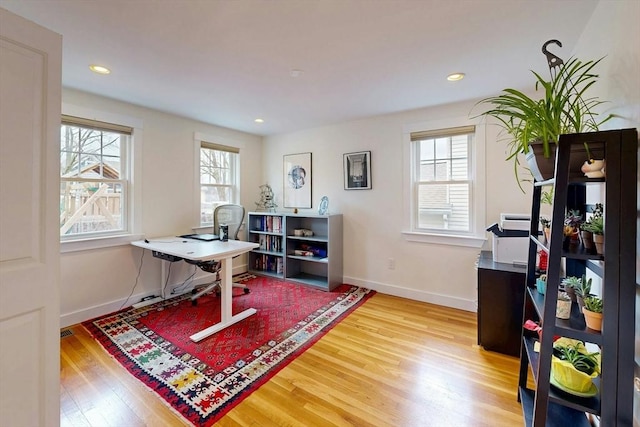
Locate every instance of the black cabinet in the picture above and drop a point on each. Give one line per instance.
(501, 290)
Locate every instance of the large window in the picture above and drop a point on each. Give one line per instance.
(218, 178)
(94, 178)
(442, 180)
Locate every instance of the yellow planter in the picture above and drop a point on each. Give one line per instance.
(568, 376)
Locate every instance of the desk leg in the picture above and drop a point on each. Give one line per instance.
(226, 294)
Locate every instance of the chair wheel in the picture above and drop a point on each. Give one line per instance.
(246, 290)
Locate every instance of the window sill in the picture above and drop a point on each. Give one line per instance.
(445, 239)
(97, 243)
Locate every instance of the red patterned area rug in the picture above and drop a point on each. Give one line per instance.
(203, 381)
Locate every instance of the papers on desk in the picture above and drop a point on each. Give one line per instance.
(204, 237)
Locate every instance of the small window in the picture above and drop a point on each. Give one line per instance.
(442, 180)
(218, 178)
(94, 178)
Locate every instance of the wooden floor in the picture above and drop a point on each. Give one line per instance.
(392, 362)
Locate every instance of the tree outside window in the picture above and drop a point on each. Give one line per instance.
(218, 167)
(93, 180)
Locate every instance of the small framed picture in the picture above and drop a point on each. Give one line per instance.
(357, 171)
(297, 180)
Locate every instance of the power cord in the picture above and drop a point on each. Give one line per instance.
(136, 283)
(181, 287)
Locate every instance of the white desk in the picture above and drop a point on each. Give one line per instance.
(196, 250)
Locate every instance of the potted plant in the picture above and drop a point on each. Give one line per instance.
(586, 235)
(583, 290)
(592, 311)
(597, 228)
(546, 228)
(588, 227)
(570, 284)
(563, 306)
(565, 107)
(573, 367)
(572, 221)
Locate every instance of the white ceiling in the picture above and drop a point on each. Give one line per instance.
(228, 62)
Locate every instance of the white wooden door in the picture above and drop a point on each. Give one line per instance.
(30, 86)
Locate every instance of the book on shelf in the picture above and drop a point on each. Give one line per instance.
(267, 223)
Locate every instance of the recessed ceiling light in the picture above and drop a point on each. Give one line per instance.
(455, 77)
(259, 120)
(296, 73)
(99, 69)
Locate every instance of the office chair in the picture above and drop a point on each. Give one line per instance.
(232, 216)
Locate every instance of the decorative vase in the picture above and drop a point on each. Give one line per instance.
(563, 308)
(547, 235)
(598, 241)
(592, 319)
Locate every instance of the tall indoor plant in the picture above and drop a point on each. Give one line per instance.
(565, 107)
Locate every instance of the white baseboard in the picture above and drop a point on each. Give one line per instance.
(79, 316)
(414, 294)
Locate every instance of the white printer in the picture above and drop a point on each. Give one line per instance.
(511, 238)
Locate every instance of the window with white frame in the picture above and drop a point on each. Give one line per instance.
(94, 178)
(218, 178)
(442, 180)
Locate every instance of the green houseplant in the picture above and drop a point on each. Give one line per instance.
(593, 225)
(565, 107)
(583, 290)
(572, 222)
(596, 226)
(573, 367)
(570, 284)
(592, 311)
(546, 228)
(563, 306)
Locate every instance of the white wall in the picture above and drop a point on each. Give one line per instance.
(373, 218)
(98, 281)
(613, 32)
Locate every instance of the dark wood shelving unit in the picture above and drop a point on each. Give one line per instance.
(546, 405)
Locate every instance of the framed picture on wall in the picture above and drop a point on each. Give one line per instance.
(297, 180)
(357, 171)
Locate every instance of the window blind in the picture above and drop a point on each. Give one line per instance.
(96, 125)
(437, 133)
(219, 147)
